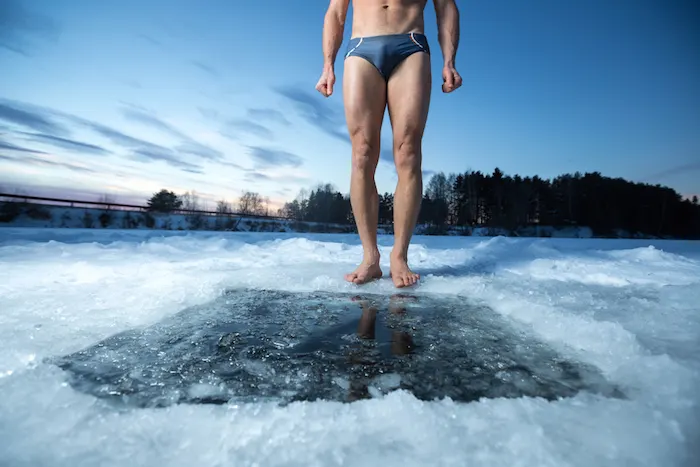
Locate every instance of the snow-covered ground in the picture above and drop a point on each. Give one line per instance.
(629, 307)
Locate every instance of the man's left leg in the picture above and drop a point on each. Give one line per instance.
(408, 98)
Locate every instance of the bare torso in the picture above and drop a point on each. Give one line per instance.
(378, 17)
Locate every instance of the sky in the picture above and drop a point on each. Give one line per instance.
(124, 98)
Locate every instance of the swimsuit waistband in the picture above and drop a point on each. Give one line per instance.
(382, 36)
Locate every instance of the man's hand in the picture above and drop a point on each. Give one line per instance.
(450, 79)
(326, 82)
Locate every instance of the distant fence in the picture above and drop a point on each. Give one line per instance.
(73, 203)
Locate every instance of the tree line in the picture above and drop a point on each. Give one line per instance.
(249, 203)
(601, 203)
(475, 199)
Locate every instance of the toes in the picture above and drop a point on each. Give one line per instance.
(361, 278)
(405, 280)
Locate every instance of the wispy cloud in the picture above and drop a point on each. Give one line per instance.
(188, 145)
(317, 112)
(53, 125)
(164, 155)
(268, 157)
(272, 115)
(30, 117)
(21, 28)
(232, 164)
(117, 137)
(35, 160)
(200, 150)
(252, 123)
(140, 115)
(211, 114)
(66, 143)
(150, 39)
(684, 168)
(257, 176)
(65, 165)
(249, 127)
(208, 69)
(13, 147)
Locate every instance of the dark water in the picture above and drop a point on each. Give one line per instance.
(257, 345)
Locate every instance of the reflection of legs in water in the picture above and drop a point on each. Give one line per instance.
(366, 328)
(366, 331)
(401, 342)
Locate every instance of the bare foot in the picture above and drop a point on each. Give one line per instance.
(401, 274)
(367, 271)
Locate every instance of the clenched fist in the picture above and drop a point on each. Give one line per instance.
(450, 79)
(326, 82)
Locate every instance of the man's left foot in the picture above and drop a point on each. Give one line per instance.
(401, 274)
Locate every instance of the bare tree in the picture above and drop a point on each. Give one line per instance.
(250, 203)
(302, 201)
(190, 201)
(223, 208)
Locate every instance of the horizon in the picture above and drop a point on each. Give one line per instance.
(144, 97)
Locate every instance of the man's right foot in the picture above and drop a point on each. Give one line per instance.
(367, 271)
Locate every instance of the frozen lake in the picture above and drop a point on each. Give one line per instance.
(206, 348)
(259, 345)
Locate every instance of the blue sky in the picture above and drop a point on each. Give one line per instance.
(127, 97)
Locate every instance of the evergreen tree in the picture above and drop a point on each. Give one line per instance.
(164, 201)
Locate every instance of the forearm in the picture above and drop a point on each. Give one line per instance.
(333, 27)
(448, 29)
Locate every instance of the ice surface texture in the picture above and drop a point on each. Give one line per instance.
(559, 352)
(253, 345)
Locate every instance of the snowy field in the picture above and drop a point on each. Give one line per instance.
(630, 309)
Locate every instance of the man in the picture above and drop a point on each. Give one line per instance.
(387, 64)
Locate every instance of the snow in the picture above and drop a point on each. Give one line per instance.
(630, 308)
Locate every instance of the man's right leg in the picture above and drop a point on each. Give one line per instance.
(364, 96)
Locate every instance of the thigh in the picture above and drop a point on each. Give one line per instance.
(408, 96)
(364, 97)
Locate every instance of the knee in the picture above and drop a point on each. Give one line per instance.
(407, 156)
(365, 154)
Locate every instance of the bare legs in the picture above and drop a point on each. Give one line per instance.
(408, 98)
(366, 96)
(364, 93)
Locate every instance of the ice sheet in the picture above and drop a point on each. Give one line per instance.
(264, 345)
(630, 308)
